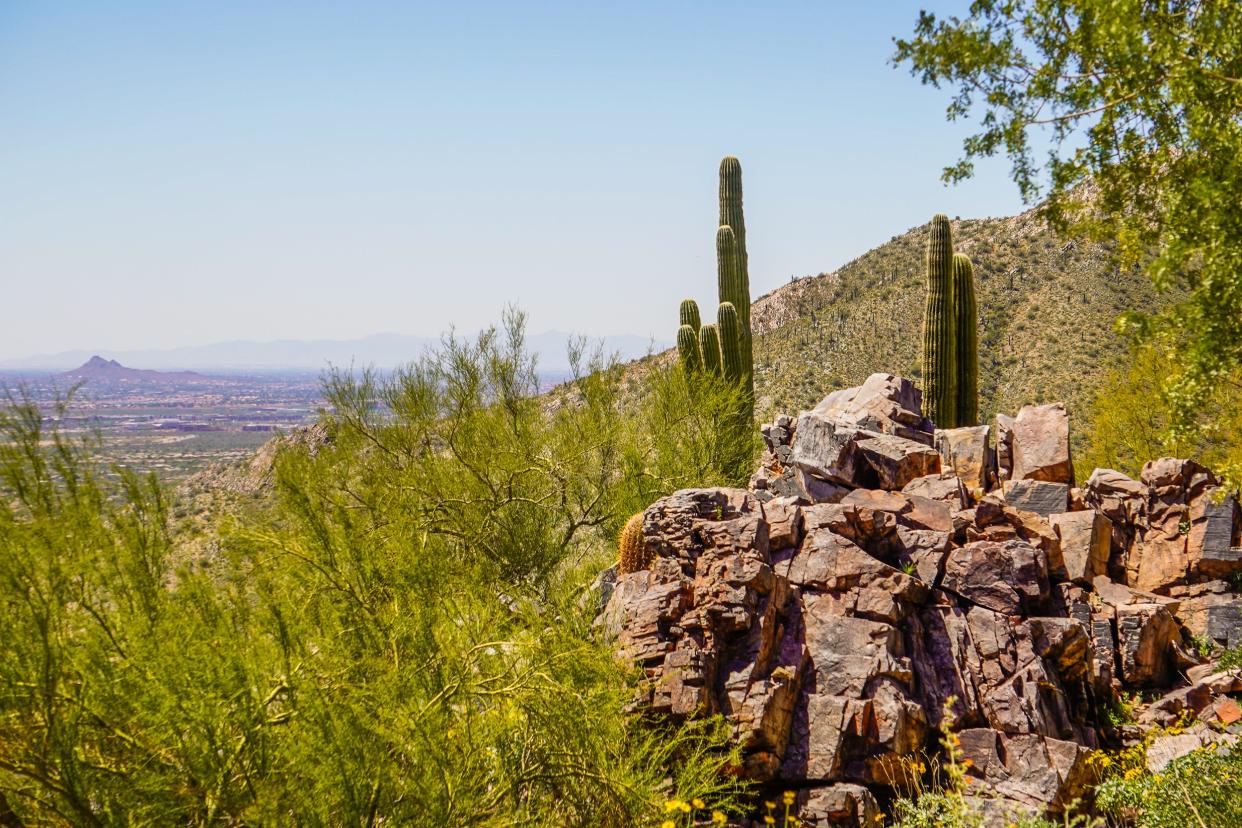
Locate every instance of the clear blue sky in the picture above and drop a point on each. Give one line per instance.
(181, 173)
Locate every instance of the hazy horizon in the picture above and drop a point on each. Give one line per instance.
(185, 176)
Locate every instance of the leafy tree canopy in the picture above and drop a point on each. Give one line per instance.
(1140, 105)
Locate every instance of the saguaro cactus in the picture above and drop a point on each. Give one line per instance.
(965, 329)
(688, 349)
(690, 314)
(730, 341)
(732, 260)
(709, 344)
(939, 345)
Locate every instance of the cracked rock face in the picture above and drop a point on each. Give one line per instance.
(835, 611)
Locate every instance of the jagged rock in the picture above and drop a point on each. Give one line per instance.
(838, 806)
(846, 455)
(1004, 448)
(831, 614)
(784, 517)
(1004, 577)
(870, 436)
(1123, 501)
(945, 487)
(1033, 770)
(1041, 448)
(895, 461)
(1085, 538)
(1038, 496)
(968, 453)
(884, 403)
(1147, 634)
(1185, 530)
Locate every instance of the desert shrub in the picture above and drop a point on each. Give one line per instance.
(399, 637)
(1202, 789)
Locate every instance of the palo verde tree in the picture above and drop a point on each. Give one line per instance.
(1140, 106)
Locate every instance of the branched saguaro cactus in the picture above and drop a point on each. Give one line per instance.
(709, 345)
(939, 345)
(688, 350)
(730, 341)
(732, 260)
(965, 329)
(631, 550)
(690, 314)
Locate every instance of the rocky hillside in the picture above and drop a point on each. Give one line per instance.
(880, 581)
(1047, 307)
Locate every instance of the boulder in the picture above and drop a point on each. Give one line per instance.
(1038, 496)
(884, 403)
(1085, 540)
(1041, 447)
(1032, 770)
(894, 461)
(1009, 577)
(1004, 448)
(944, 487)
(840, 806)
(1185, 531)
(967, 451)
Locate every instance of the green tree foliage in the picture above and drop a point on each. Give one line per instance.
(1140, 105)
(1131, 418)
(398, 639)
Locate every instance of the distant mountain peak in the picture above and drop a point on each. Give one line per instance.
(98, 368)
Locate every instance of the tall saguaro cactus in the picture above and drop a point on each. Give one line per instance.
(939, 342)
(965, 327)
(732, 261)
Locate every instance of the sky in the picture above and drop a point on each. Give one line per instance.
(181, 173)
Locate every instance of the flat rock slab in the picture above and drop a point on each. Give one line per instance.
(1038, 496)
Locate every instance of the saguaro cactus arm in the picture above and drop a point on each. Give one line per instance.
(730, 341)
(688, 349)
(690, 314)
(709, 344)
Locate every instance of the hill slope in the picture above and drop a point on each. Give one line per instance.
(1047, 307)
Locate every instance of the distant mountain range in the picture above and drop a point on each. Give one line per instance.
(379, 350)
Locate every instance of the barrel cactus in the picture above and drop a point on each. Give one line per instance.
(965, 329)
(939, 342)
(631, 550)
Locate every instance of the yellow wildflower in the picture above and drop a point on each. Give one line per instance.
(684, 807)
(788, 797)
(768, 820)
(698, 803)
(769, 805)
(719, 818)
(672, 805)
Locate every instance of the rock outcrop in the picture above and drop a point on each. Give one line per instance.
(879, 576)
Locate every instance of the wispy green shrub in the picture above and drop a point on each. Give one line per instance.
(399, 638)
